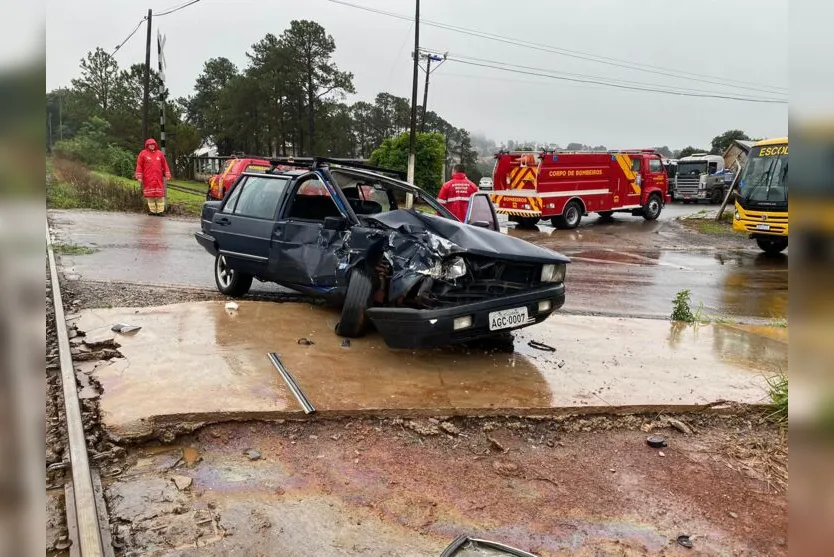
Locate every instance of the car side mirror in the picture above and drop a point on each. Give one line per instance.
(335, 223)
(480, 224)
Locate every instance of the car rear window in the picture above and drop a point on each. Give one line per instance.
(259, 197)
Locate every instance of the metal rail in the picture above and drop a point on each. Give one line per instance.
(84, 507)
(290, 381)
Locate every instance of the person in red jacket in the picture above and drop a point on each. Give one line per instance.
(151, 171)
(455, 193)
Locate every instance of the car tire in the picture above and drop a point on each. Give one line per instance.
(571, 216)
(230, 281)
(772, 246)
(606, 215)
(354, 322)
(527, 222)
(652, 208)
(716, 197)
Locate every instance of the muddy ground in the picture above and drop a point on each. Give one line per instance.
(570, 486)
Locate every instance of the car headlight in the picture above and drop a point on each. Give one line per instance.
(455, 268)
(553, 272)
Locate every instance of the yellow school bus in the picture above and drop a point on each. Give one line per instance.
(762, 203)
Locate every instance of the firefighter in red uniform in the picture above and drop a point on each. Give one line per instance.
(151, 171)
(455, 193)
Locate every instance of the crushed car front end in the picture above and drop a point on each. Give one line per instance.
(446, 282)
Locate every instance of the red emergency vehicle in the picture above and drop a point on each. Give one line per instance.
(564, 186)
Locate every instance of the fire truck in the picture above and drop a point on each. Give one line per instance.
(564, 186)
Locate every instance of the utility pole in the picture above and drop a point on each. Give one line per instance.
(49, 131)
(413, 137)
(429, 59)
(60, 118)
(146, 98)
(160, 43)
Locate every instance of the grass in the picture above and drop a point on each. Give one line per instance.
(704, 224)
(780, 322)
(72, 249)
(778, 393)
(74, 186)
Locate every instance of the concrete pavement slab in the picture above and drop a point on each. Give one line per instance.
(199, 362)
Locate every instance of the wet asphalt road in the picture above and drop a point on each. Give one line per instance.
(625, 267)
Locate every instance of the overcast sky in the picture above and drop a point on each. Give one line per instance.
(739, 40)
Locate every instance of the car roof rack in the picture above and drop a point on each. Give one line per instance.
(319, 162)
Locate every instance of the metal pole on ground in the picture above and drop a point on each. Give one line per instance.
(412, 140)
(729, 192)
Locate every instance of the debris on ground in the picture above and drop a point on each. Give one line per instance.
(450, 428)
(305, 342)
(656, 441)
(685, 541)
(540, 346)
(496, 445)
(732, 514)
(345, 343)
(505, 468)
(182, 482)
(661, 454)
(252, 454)
(124, 328)
(99, 339)
(680, 426)
(232, 306)
(422, 428)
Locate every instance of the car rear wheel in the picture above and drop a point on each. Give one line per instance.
(230, 281)
(353, 322)
(772, 246)
(570, 217)
(651, 210)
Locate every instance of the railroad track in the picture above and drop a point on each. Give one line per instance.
(86, 512)
(186, 190)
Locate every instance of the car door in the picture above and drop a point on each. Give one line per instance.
(308, 235)
(244, 225)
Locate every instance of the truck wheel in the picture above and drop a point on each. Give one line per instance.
(717, 196)
(570, 217)
(772, 246)
(527, 222)
(353, 322)
(651, 210)
(229, 281)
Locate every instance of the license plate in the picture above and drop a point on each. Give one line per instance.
(507, 318)
(762, 227)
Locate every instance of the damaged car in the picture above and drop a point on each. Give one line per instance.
(342, 231)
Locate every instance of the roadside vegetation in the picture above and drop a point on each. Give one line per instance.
(74, 186)
(681, 307)
(778, 393)
(72, 249)
(704, 222)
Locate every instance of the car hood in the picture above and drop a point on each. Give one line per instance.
(468, 238)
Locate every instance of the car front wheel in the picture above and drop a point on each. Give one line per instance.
(230, 281)
(358, 298)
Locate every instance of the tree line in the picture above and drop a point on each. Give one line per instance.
(289, 100)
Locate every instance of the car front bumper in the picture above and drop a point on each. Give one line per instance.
(427, 328)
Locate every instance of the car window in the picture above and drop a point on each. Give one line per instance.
(312, 202)
(635, 164)
(259, 197)
(655, 165)
(229, 207)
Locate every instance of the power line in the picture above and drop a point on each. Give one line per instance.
(648, 68)
(509, 65)
(138, 25)
(176, 8)
(621, 86)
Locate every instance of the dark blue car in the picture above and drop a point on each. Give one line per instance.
(418, 275)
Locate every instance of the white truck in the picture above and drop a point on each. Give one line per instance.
(700, 177)
(485, 184)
